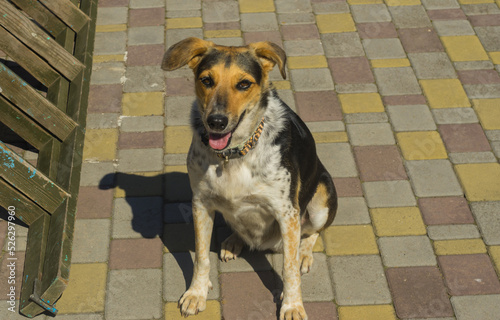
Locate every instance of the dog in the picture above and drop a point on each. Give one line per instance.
(254, 160)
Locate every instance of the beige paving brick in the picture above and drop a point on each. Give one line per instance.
(178, 139)
(375, 312)
(305, 62)
(461, 246)
(495, 255)
(390, 63)
(421, 145)
(445, 93)
(100, 144)
(334, 23)
(222, 33)
(464, 48)
(248, 6)
(402, 221)
(142, 103)
(350, 240)
(184, 23)
(361, 102)
(488, 111)
(211, 312)
(481, 181)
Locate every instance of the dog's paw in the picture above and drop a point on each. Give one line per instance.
(306, 261)
(231, 248)
(293, 312)
(192, 302)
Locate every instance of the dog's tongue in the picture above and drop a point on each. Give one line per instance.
(219, 141)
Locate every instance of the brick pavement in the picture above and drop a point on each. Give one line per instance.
(403, 98)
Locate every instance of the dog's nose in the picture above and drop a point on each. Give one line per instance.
(217, 122)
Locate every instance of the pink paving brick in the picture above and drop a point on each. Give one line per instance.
(420, 40)
(404, 100)
(376, 30)
(140, 140)
(348, 187)
(467, 137)
(445, 210)
(147, 55)
(300, 32)
(105, 98)
(321, 310)
(135, 253)
(351, 70)
(379, 163)
(179, 87)
(318, 106)
(94, 203)
(485, 20)
(146, 17)
(478, 76)
(272, 36)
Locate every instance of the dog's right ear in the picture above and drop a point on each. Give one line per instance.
(188, 51)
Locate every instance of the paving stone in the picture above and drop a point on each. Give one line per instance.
(396, 193)
(144, 79)
(175, 35)
(177, 139)
(100, 144)
(406, 251)
(316, 310)
(472, 157)
(464, 137)
(91, 241)
(97, 174)
(183, 14)
(180, 238)
(135, 254)
(361, 103)
(146, 3)
(484, 307)
(376, 30)
(146, 17)
(351, 211)
(137, 217)
(482, 91)
(409, 17)
(420, 40)
(212, 311)
(142, 124)
(220, 11)
(330, 7)
(345, 44)
(389, 48)
(85, 316)
(179, 87)
(113, 3)
(356, 87)
(432, 65)
(446, 14)
(359, 280)
(390, 63)
(473, 65)
(411, 118)
(481, 181)
(247, 261)
(445, 210)
(493, 135)
(318, 106)
(344, 165)
(136, 160)
(454, 115)
(311, 79)
(377, 163)
(283, 6)
(351, 70)
(325, 126)
(110, 43)
(177, 187)
(489, 37)
(303, 47)
(145, 283)
(366, 117)
(177, 110)
(375, 312)
(445, 93)
(480, 8)
(176, 213)
(370, 13)
(440, 4)
(142, 103)
(464, 48)
(411, 99)
(370, 134)
(305, 62)
(145, 55)
(484, 20)
(94, 203)
(348, 187)
(396, 81)
(487, 214)
(350, 240)
(178, 273)
(296, 18)
(258, 22)
(300, 32)
(228, 41)
(183, 5)
(460, 246)
(453, 232)
(402, 221)
(105, 98)
(141, 184)
(419, 292)
(113, 15)
(107, 73)
(102, 120)
(478, 76)
(431, 178)
(316, 284)
(453, 28)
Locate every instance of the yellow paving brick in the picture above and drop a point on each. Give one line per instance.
(351, 2)
(445, 93)
(282, 84)
(109, 57)
(464, 48)
(332, 23)
(495, 56)
(247, 6)
(495, 255)
(361, 102)
(184, 23)
(350, 240)
(330, 137)
(100, 144)
(318, 246)
(462, 246)
(178, 139)
(389, 63)
(404, 221)
(488, 111)
(142, 104)
(306, 62)
(153, 187)
(376, 312)
(222, 33)
(474, 1)
(421, 145)
(86, 289)
(111, 28)
(211, 312)
(403, 2)
(481, 181)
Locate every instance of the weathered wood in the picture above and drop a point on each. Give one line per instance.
(26, 210)
(35, 105)
(42, 16)
(67, 12)
(34, 37)
(26, 178)
(47, 159)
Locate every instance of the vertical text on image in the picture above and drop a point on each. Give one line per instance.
(11, 258)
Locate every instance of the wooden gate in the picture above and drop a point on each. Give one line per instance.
(52, 42)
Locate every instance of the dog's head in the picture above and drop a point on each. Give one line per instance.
(229, 82)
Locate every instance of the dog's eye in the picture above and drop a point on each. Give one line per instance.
(243, 85)
(207, 82)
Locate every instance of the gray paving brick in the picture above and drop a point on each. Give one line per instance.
(258, 22)
(112, 15)
(440, 4)
(287, 6)
(366, 117)
(102, 120)
(145, 35)
(487, 216)
(296, 18)
(359, 280)
(472, 157)
(137, 217)
(107, 73)
(352, 210)
(346, 44)
(91, 240)
(175, 35)
(142, 124)
(330, 7)
(448, 232)
(177, 110)
(178, 272)
(432, 65)
(81, 316)
(235, 41)
(433, 178)
(410, 17)
(490, 37)
(496, 148)
(110, 43)
(220, 11)
(316, 285)
(303, 48)
(136, 4)
(370, 13)
(493, 135)
(481, 8)
(369, 134)
(395, 193)
(484, 307)
(174, 5)
(288, 98)
(453, 28)
(146, 286)
(137, 160)
(408, 251)
(473, 65)
(455, 115)
(396, 81)
(338, 159)
(248, 261)
(183, 14)
(389, 48)
(311, 79)
(411, 118)
(356, 87)
(482, 91)
(144, 79)
(324, 126)
(94, 174)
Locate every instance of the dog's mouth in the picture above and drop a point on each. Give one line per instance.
(219, 141)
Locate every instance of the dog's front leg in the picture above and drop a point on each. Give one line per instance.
(292, 307)
(195, 298)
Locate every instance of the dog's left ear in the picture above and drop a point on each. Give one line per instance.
(188, 51)
(270, 54)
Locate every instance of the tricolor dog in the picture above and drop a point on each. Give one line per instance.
(254, 160)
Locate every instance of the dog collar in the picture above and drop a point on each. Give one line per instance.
(241, 149)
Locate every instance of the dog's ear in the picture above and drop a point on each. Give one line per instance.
(188, 51)
(270, 54)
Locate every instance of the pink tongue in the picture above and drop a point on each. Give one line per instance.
(219, 141)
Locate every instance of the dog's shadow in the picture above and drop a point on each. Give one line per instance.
(160, 206)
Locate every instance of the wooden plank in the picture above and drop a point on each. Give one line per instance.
(27, 211)
(42, 16)
(23, 125)
(35, 38)
(35, 105)
(30, 181)
(16, 50)
(48, 159)
(67, 12)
